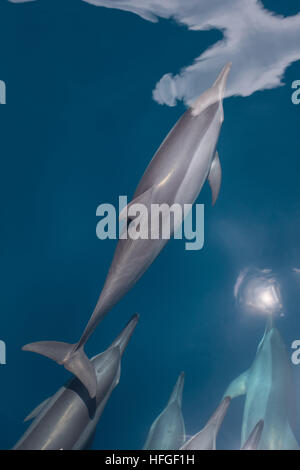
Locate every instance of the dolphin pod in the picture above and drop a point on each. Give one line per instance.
(176, 174)
(68, 419)
(268, 386)
(167, 431)
(206, 438)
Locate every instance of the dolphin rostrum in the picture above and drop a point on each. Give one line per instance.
(175, 176)
(68, 419)
(206, 438)
(268, 386)
(254, 438)
(167, 431)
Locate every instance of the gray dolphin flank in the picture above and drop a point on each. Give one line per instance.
(167, 431)
(68, 419)
(176, 174)
(268, 386)
(206, 438)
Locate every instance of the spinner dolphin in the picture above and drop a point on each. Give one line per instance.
(268, 386)
(68, 419)
(167, 432)
(176, 174)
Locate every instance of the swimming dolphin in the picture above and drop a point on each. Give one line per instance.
(167, 431)
(175, 175)
(254, 438)
(68, 419)
(206, 438)
(268, 386)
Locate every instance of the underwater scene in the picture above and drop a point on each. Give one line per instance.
(150, 242)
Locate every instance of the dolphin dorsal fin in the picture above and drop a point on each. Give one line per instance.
(215, 178)
(37, 410)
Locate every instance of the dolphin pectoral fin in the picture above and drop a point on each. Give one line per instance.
(143, 198)
(253, 440)
(215, 178)
(73, 359)
(238, 386)
(37, 410)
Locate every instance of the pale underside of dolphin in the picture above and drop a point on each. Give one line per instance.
(167, 431)
(269, 389)
(206, 438)
(68, 419)
(176, 174)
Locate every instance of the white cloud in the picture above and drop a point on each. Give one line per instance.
(260, 44)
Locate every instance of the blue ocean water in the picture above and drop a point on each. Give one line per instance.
(79, 128)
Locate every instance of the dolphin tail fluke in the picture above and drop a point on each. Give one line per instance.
(72, 358)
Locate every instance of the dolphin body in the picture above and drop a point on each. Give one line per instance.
(68, 419)
(268, 386)
(254, 438)
(167, 431)
(176, 175)
(206, 438)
